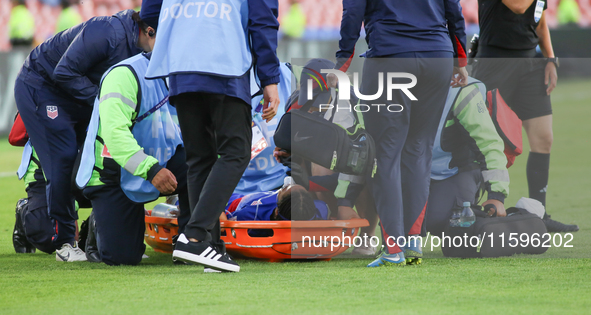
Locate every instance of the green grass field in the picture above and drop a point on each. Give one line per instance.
(555, 282)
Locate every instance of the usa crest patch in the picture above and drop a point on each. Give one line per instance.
(52, 112)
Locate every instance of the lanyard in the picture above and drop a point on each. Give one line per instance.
(151, 110)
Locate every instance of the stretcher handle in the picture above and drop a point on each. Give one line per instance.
(353, 223)
(161, 220)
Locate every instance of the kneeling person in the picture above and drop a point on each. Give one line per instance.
(467, 158)
(133, 154)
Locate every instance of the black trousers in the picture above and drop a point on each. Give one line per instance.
(56, 125)
(449, 194)
(36, 221)
(217, 135)
(120, 222)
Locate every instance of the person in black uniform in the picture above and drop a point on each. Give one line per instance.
(511, 29)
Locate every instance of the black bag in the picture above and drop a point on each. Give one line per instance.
(327, 144)
(499, 236)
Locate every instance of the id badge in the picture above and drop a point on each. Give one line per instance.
(258, 142)
(539, 10)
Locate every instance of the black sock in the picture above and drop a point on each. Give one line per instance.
(537, 175)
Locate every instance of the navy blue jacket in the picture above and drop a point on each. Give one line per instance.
(75, 59)
(398, 26)
(262, 27)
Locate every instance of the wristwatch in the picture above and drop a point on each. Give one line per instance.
(554, 60)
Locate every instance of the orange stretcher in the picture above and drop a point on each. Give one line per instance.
(319, 239)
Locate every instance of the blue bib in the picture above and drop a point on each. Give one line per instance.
(158, 134)
(264, 173)
(209, 37)
(25, 160)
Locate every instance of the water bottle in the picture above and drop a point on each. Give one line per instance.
(287, 181)
(467, 218)
(165, 211)
(172, 200)
(454, 221)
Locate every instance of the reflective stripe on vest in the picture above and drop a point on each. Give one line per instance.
(209, 37)
(159, 135)
(440, 169)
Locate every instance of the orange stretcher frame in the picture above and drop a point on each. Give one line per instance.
(285, 244)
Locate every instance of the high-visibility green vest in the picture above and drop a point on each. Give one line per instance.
(293, 24)
(568, 12)
(68, 18)
(21, 24)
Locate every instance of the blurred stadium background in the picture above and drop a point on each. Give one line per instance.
(323, 17)
(309, 29)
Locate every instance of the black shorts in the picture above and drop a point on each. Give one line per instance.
(520, 82)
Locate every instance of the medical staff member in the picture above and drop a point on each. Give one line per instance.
(511, 30)
(132, 154)
(468, 158)
(206, 51)
(417, 37)
(55, 92)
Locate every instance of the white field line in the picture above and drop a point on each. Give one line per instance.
(7, 174)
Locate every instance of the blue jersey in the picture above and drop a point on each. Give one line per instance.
(260, 206)
(254, 207)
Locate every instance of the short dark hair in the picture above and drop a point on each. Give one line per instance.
(302, 204)
(138, 20)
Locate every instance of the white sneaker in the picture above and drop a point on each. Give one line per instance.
(69, 253)
(365, 250)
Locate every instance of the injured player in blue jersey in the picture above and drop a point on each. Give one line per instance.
(288, 203)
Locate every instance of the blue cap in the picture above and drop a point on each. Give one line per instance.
(466, 203)
(150, 12)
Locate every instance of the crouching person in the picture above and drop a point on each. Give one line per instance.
(133, 154)
(468, 158)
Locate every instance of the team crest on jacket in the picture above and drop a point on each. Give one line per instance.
(52, 112)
